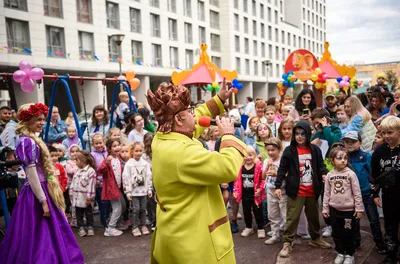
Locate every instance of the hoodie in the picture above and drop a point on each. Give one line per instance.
(99, 156)
(331, 134)
(361, 163)
(289, 168)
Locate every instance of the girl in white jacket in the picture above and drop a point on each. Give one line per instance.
(137, 183)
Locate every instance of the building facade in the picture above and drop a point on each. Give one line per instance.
(74, 37)
(368, 72)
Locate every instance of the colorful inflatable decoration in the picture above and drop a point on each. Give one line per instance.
(343, 82)
(214, 87)
(319, 78)
(288, 82)
(133, 82)
(236, 86)
(26, 75)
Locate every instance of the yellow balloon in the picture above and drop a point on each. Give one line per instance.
(214, 84)
(314, 77)
(318, 85)
(318, 70)
(280, 85)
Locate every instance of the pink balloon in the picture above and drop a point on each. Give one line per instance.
(325, 76)
(25, 66)
(28, 85)
(345, 78)
(36, 74)
(19, 76)
(342, 83)
(347, 84)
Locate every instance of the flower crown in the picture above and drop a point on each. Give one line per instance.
(34, 110)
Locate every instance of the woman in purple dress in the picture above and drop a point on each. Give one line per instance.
(38, 230)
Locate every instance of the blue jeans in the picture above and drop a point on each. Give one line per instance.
(103, 207)
(373, 218)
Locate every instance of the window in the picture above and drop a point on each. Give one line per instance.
(312, 18)
(189, 58)
(84, 11)
(304, 29)
(188, 33)
(253, 4)
(262, 11)
(173, 29)
(299, 42)
(263, 69)
(270, 70)
(55, 41)
(246, 45)
(269, 33)
(304, 43)
(308, 15)
(173, 57)
(53, 8)
(276, 53)
(156, 52)
(17, 4)
(86, 44)
(304, 13)
(276, 17)
(202, 35)
(236, 22)
(254, 28)
(263, 50)
(277, 70)
(316, 19)
(255, 48)
(294, 41)
(137, 51)
(276, 35)
(18, 35)
(236, 4)
(216, 61)
(112, 15)
(246, 25)
(154, 3)
(238, 66)
(237, 43)
(255, 67)
(136, 20)
(270, 51)
(283, 37)
(214, 19)
(269, 14)
(283, 54)
(215, 42)
(155, 25)
(288, 38)
(308, 31)
(309, 44)
(200, 11)
(262, 30)
(247, 65)
(214, 3)
(281, 7)
(245, 4)
(187, 8)
(172, 6)
(317, 34)
(112, 49)
(313, 32)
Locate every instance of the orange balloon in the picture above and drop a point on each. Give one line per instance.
(130, 74)
(135, 82)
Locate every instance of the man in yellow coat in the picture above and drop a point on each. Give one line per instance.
(192, 222)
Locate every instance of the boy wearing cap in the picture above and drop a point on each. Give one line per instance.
(361, 163)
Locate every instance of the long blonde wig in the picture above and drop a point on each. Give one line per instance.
(53, 185)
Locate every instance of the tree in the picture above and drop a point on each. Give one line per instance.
(392, 79)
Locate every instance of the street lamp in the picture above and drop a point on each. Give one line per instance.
(118, 38)
(267, 63)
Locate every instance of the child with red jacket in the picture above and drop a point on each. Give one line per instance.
(59, 169)
(250, 188)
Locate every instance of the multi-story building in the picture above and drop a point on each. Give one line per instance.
(368, 72)
(74, 37)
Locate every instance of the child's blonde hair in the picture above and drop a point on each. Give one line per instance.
(287, 97)
(391, 123)
(285, 121)
(132, 146)
(270, 108)
(397, 93)
(210, 131)
(123, 94)
(251, 150)
(276, 142)
(98, 135)
(114, 130)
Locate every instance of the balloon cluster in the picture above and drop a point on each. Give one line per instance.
(320, 79)
(236, 86)
(288, 82)
(214, 87)
(344, 82)
(130, 77)
(354, 83)
(26, 75)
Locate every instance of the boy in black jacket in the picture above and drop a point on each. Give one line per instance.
(303, 168)
(385, 174)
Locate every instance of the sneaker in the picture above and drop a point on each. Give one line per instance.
(247, 232)
(327, 231)
(82, 232)
(136, 232)
(90, 231)
(122, 227)
(260, 233)
(270, 233)
(348, 259)
(380, 247)
(319, 243)
(272, 240)
(306, 237)
(112, 231)
(153, 227)
(145, 230)
(286, 250)
(234, 227)
(239, 216)
(339, 259)
(106, 232)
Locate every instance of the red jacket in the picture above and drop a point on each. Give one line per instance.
(61, 176)
(259, 183)
(110, 189)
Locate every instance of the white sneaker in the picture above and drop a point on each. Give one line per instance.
(247, 232)
(272, 240)
(327, 231)
(113, 232)
(261, 233)
(239, 216)
(82, 232)
(90, 231)
(339, 259)
(348, 259)
(106, 232)
(271, 233)
(145, 230)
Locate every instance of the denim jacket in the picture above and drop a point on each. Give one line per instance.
(56, 132)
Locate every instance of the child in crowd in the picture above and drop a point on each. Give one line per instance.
(123, 108)
(99, 153)
(324, 129)
(263, 133)
(285, 111)
(59, 169)
(361, 164)
(99, 123)
(270, 113)
(62, 153)
(213, 135)
(385, 168)
(379, 140)
(82, 191)
(124, 154)
(73, 138)
(249, 188)
(287, 100)
(302, 167)
(114, 133)
(341, 117)
(250, 138)
(111, 169)
(70, 169)
(285, 132)
(138, 186)
(343, 205)
(276, 207)
(151, 202)
(203, 138)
